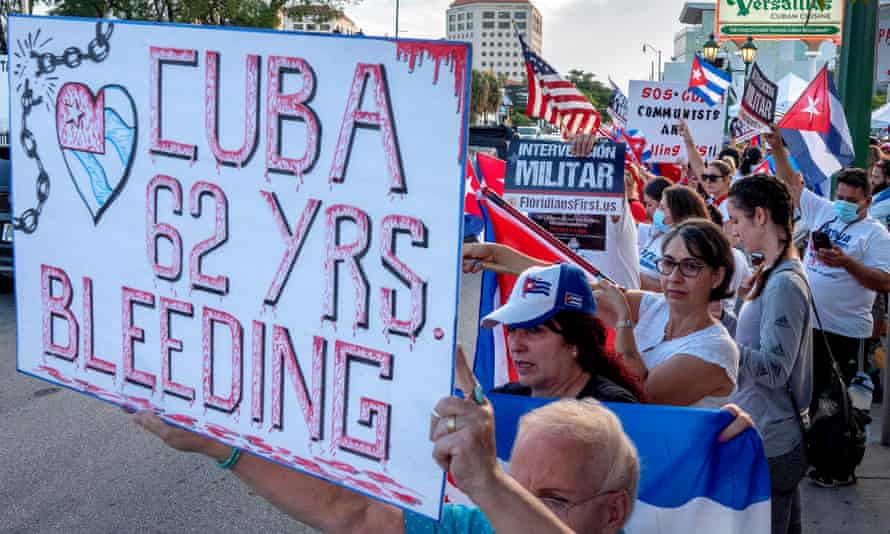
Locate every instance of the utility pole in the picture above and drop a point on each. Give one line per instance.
(397, 19)
(857, 72)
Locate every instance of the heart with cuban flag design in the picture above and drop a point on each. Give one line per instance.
(97, 136)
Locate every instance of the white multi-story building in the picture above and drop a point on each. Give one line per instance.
(488, 25)
(321, 19)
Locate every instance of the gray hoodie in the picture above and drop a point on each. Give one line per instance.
(775, 339)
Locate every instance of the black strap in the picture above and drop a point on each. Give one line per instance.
(835, 368)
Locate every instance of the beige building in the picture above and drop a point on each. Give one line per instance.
(319, 19)
(488, 25)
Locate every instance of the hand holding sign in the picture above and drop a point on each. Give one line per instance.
(582, 144)
(179, 439)
(463, 434)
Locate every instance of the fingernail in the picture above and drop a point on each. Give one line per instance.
(129, 409)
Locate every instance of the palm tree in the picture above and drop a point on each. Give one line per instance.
(494, 98)
(478, 94)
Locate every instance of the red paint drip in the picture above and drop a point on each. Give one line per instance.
(340, 466)
(182, 419)
(406, 499)
(221, 432)
(454, 56)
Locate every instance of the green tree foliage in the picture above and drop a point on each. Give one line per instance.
(485, 94)
(7, 7)
(878, 100)
(594, 90)
(249, 13)
(519, 118)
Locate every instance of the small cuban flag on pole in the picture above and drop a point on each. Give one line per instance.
(708, 82)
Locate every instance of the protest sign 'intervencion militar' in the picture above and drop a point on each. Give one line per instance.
(544, 177)
(253, 233)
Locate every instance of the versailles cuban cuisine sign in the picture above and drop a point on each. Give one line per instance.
(780, 19)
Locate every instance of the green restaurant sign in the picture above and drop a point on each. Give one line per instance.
(778, 19)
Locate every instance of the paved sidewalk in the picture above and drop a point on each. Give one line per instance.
(862, 508)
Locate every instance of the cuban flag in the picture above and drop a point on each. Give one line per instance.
(688, 481)
(534, 286)
(671, 171)
(816, 133)
(636, 143)
(768, 166)
(708, 82)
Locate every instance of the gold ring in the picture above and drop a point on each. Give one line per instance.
(451, 424)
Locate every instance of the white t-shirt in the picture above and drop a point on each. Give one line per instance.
(619, 259)
(842, 303)
(649, 245)
(712, 344)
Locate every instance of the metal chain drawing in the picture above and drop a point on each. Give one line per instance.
(46, 63)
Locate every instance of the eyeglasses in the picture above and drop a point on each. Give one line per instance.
(690, 268)
(712, 177)
(561, 506)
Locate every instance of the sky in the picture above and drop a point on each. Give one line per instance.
(604, 37)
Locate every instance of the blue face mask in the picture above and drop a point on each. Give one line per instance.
(846, 211)
(658, 221)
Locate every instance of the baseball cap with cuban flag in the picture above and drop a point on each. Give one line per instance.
(540, 293)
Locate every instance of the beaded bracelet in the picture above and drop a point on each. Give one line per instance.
(230, 462)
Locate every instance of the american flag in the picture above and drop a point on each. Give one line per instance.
(555, 99)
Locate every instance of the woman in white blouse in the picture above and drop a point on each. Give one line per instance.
(683, 355)
(686, 357)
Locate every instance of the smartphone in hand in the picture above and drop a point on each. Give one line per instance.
(821, 240)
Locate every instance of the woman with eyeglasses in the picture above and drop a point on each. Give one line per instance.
(679, 203)
(685, 356)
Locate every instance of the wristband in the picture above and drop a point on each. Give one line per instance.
(627, 323)
(230, 462)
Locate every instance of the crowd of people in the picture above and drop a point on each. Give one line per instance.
(730, 307)
(716, 304)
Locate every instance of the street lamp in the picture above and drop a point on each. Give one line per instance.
(652, 48)
(397, 19)
(710, 49)
(749, 52)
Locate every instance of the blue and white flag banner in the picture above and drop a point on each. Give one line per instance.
(688, 481)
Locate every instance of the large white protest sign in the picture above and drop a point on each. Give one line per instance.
(255, 233)
(656, 109)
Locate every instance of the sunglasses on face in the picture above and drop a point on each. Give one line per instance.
(711, 177)
(689, 267)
